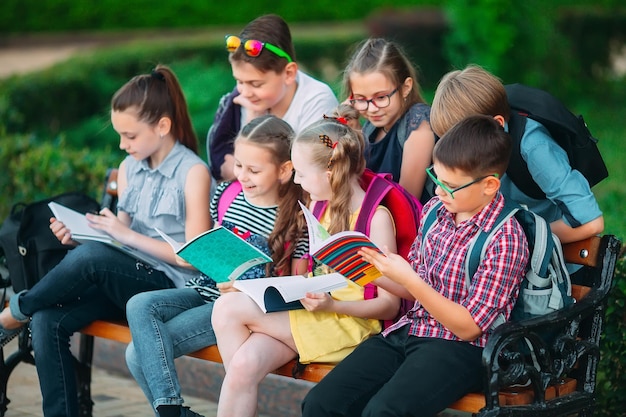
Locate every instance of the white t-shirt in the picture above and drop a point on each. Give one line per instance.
(312, 100)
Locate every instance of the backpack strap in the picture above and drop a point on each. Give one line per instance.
(478, 245)
(518, 168)
(319, 208)
(226, 199)
(428, 221)
(376, 191)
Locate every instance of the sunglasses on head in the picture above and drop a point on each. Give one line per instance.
(253, 47)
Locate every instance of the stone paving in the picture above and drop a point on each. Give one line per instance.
(113, 395)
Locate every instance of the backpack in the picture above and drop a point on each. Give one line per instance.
(30, 248)
(546, 287)
(221, 135)
(405, 209)
(226, 198)
(567, 130)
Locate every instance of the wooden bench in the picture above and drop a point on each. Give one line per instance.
(564, 384)
(560, 382)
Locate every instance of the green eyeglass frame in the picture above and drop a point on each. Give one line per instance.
(451, 191)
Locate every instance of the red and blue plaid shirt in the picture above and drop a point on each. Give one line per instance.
(493, 288)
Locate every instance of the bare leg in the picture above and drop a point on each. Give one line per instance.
(259, 356)
(252, 344)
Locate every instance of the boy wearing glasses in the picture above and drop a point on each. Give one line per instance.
(432, 356)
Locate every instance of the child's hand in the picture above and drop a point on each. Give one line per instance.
(225, 287)
(317, 301)
(108, 222)
(252, 110)
(181, 262)
(61, 232)
(391, 265)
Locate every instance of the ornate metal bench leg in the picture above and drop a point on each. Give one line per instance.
(23, 354)
(83, 375)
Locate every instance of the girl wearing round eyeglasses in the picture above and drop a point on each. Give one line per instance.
(263, 63)
(381, 84)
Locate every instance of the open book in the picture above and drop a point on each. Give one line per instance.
(339, 251)
(283, 293)
(218, 253)
(82, 232)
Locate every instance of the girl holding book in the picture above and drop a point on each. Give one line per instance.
(328, 161)
(161, 183)
(170, 323)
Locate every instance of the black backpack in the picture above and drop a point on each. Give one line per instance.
(30, 248)
(568, 130)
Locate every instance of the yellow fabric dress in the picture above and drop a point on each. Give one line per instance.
(322, 336)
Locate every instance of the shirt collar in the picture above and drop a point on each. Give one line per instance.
(167, 168)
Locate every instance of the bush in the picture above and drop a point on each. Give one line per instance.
(612, 367)
(35, 170)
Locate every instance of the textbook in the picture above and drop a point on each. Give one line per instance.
(81, 232)
(283, 293)
(218, 253)
(339, 251)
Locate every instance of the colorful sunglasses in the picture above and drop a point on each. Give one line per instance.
(253, 47)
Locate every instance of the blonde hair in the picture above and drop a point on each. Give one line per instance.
(463, 93)
(338, 148)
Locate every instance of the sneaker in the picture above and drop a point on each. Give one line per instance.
(7, 335)
(186, 412)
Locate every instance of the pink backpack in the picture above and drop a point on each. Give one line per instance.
(226, 199)
(405, 209)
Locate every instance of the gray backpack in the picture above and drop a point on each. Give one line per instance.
(546, 286)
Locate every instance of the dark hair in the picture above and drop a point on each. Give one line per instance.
(477, 145)
(338, 148)
(275, 135)
(157, 95)
(268, 28)
(386, 57)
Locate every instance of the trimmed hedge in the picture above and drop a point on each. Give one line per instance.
(33, 170)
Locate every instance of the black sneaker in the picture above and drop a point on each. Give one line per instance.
(186, 412)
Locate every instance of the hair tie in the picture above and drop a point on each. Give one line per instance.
(156, 74)
(326, 140)
(341, 120)
(329, 143)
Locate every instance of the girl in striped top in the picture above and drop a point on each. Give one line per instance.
(169, 324)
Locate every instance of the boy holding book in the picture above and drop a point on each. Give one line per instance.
(432, 356)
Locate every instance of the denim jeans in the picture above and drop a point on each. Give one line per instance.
(397, 375)
(92, 282)
(165, 325)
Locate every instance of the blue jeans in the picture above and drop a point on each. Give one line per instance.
(92, 282)
(397, 375)
(165, 325)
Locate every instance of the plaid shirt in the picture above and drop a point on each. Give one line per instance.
(493, 288)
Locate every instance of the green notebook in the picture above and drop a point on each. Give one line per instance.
(219, 254)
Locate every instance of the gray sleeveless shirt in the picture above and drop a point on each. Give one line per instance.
(156, 198)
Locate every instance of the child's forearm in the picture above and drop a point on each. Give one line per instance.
(453, 316)
(379, 308)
